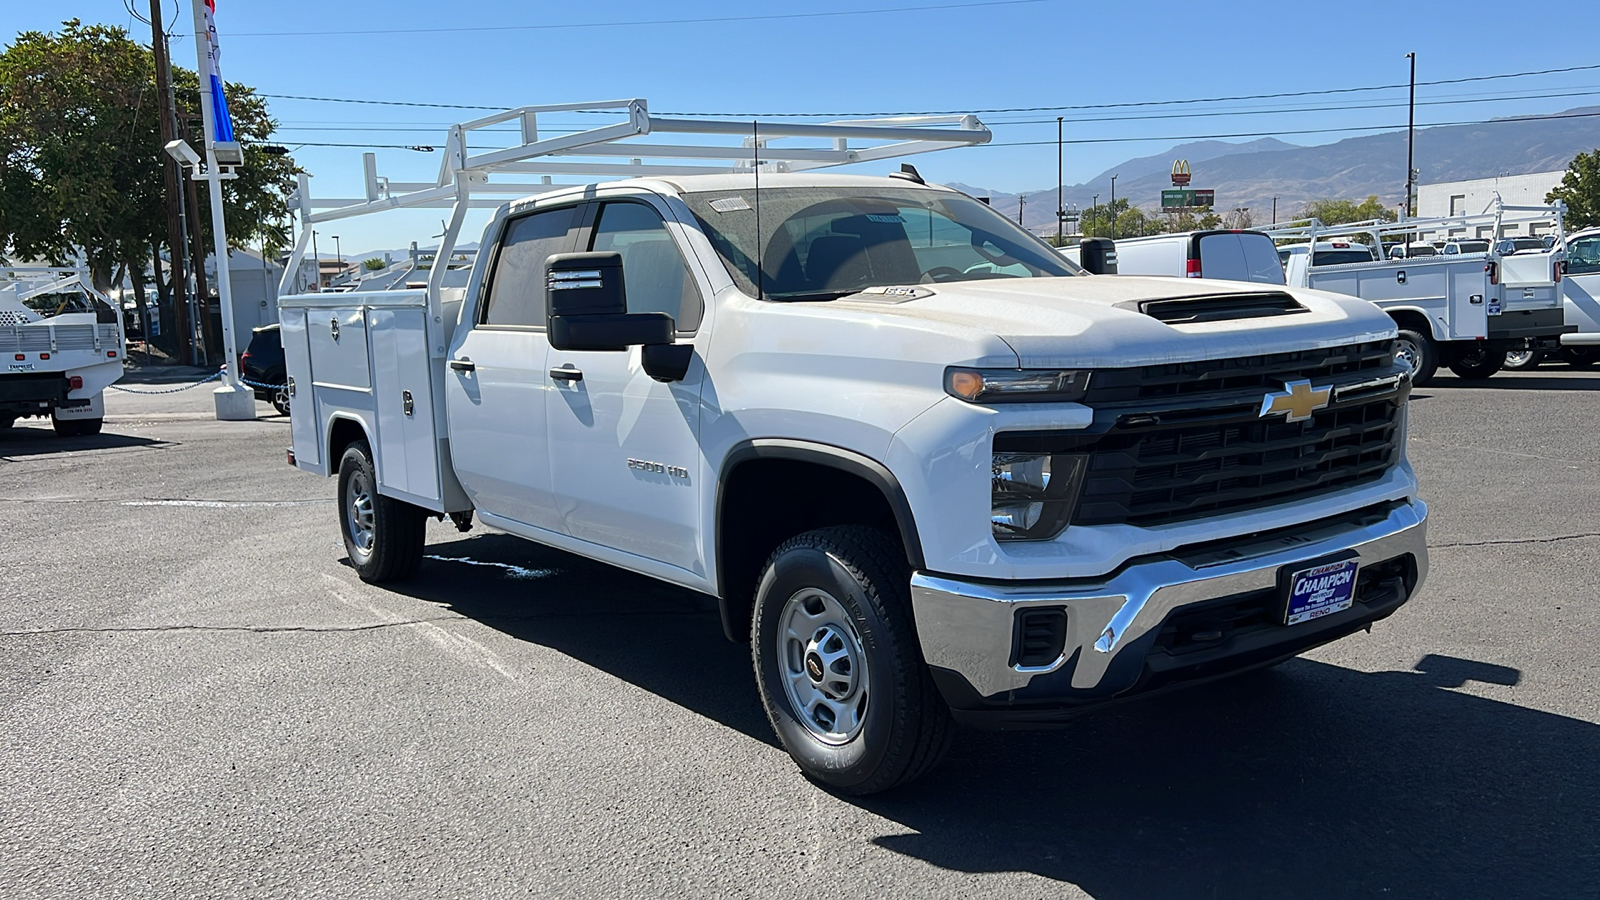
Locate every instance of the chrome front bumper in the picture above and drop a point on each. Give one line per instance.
(967, 629)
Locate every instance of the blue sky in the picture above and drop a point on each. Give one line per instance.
(1045, 53)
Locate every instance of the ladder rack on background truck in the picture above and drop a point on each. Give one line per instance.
(1410, 230)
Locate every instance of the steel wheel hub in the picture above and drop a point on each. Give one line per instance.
(1408, 353)
(823, 668)
(358, 511)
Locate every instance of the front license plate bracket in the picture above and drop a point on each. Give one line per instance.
(1318, 588)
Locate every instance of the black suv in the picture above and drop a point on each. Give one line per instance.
(263, 364)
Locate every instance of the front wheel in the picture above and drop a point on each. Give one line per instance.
(1580, 357)
(1477, 363)
(383, 536)
(838, 664)
(1418, 351)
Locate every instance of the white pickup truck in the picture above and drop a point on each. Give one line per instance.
(58, 361)
(1462, 310)
(930, 470)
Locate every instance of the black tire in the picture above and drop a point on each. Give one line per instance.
(902, 726)
(1477, 363)
(1524, 360)
(1421, 351)
(76, 427)
(1580, 357)
(7, 421)
(383, 536)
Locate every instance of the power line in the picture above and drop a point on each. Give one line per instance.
(993, 111)
(642, 22)
(1202, 137)
(1117, 140)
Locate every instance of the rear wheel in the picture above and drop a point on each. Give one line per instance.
(1418, 351)
(383, 536)
(1477, 363)
(76, 427)
(838, 664)
(280, 401)
(7, 421)
(1524, 359)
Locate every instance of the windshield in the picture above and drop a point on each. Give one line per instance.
(819, 243)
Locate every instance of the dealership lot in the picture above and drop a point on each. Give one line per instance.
(198, 697)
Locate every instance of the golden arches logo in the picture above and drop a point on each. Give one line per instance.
(1180, 172)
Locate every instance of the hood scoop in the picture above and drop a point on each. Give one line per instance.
(1216, 307)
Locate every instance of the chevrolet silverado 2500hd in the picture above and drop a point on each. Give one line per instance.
(931, 471)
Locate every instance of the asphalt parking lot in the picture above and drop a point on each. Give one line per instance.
(199, 698)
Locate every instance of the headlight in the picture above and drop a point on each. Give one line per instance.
(1015, 385)
(1033, 493)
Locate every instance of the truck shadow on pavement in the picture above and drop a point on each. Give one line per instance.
(33, 441)
(1520, 382)
(1309, 780)
(653, 635)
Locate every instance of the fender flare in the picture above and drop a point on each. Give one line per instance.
(864, 467)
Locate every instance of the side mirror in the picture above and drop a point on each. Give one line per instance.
(1098, 256)
(588, 306)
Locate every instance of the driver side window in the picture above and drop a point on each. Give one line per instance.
(1583, 256)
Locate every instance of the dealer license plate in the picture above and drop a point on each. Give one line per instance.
(1324, 590)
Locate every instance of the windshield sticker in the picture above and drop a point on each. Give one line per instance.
(887, 219)
(729, 204)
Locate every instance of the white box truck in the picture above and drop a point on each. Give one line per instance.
(931, 472)
(62, 344)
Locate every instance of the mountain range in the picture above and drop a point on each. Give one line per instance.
(1253, 174)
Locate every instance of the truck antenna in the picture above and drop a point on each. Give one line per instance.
(755, 151)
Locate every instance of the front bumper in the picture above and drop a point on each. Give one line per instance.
(1196, 613)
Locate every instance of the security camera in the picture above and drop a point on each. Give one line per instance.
(183, 153)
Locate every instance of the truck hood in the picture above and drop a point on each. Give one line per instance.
(1077, 321)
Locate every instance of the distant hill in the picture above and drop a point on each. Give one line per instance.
(1252, 174)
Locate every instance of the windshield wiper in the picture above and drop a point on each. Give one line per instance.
(813, 295)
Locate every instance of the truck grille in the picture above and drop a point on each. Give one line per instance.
(1160, 475)
(1172, 381)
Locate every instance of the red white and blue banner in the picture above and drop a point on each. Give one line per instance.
(222, 122)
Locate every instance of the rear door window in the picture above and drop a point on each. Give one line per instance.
(1240, 257)
(1583, 256)
(516, 288)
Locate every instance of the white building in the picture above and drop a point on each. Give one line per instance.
(1458, 198)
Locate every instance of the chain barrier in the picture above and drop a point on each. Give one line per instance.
(169, 390)
(255, 384)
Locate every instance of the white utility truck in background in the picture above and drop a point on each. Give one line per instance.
(1458, 309)
(1580, 296)
(930, 469)
(61, 346)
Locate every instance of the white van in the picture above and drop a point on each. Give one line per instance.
(1230, 255)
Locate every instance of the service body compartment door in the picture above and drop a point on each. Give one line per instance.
(408, 449)
(302, 407)
(338, 339)
(1471, 298)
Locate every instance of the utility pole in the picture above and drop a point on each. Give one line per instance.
(318, 275)
(197, 259)
(1094, 213)
(1113, 207)
(1061, 212)
(1411, 134)
(1019, 210)
(171, 183)
(1274, 210)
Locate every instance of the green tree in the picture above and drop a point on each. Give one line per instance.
(1195, 219)
(1331, 211)
(1580, 190)
(372, 265)
(81, 155)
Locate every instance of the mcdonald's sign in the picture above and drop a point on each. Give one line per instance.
(1180, 172)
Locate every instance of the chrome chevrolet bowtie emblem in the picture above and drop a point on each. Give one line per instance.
(1298, 400)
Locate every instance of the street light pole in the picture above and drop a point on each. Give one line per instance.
(1061, 212)
(1113, 209)
(1411, 128)
(1094, 214)
(318, 288)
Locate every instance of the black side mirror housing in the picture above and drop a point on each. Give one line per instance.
(1098, 256)
(588, 306)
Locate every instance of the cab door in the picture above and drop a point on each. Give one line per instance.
(496, 380)
(624, 448)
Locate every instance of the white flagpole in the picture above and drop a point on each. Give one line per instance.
(234, 401)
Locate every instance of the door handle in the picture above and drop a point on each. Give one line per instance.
(566, 374)
(463, 365)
